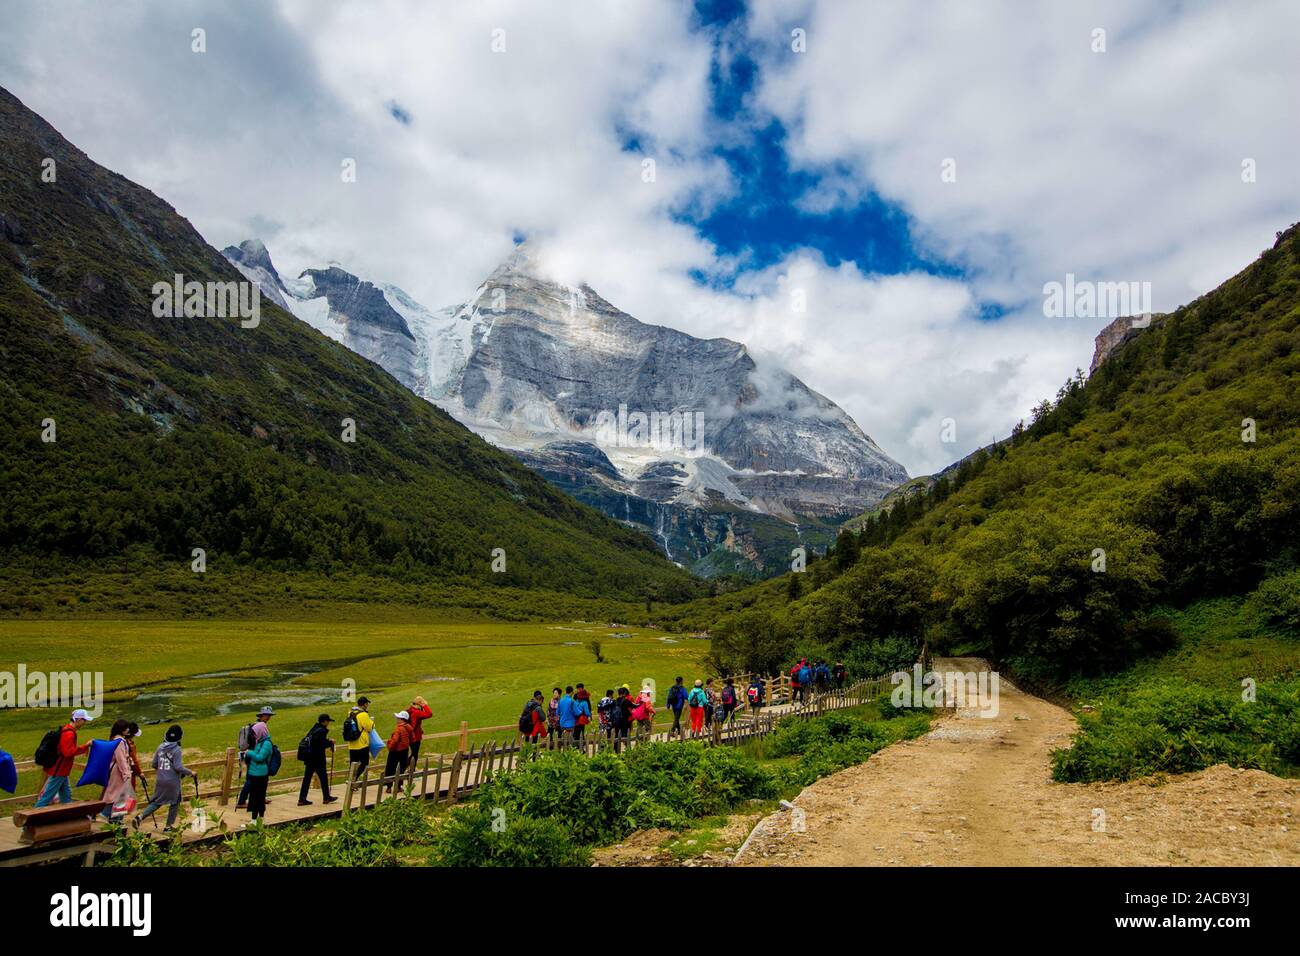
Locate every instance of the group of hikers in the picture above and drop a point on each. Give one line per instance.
(360, 734)
(561, 721)
(808, 677)
(259, 760)
(564, 718)
(59, 750)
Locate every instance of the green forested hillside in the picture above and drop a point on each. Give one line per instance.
(1134, 491)
(181, 433)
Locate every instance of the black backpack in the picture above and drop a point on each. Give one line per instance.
(351, 729)
(526, 718)
(47, 751)
(304, 748)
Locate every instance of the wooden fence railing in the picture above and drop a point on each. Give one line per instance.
(229, 771)
(447, 779)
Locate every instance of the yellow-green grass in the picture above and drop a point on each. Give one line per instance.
(480, 672)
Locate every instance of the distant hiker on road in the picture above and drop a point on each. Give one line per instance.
(356, 732)
(839, 673)
(57, 753)
(805, 679)
(532, 722)
(677, 695)
(312, 752)
(796, 688)
(399, 747)
(710, 698)
(755, 693)
(259, 770)
(697, 702)
(118, 790)
(420, 711)
(245, 743)
(167, 780)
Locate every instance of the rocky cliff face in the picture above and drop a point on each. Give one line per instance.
(1116, 334)
(689, 438)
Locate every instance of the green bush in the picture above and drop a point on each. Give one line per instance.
(467, 838)
(828, 744)
(1173, 726)
(1277, 601)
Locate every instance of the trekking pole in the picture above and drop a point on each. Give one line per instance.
(148, 800)
(195, 778)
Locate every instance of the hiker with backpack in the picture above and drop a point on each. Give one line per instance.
(805, 679)
(167, 780)
(56, 754)
(420, 711)
(356, 733)
(839, 673)
(311, 751)
(118, 790)
(245, 742)
(568, 716)
(261, 767)
(796, 687)
(719, 718)
(644, 714)
(621, 716)
(697, 701)
(399, 747)
(677, 695)
(605, 710)
(581, 713)
(729, 699)
(755, 694)
(710, 698)
(532, 721)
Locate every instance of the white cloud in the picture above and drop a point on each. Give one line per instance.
(1122, 165)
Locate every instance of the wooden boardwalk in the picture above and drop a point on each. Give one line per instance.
(440, 777)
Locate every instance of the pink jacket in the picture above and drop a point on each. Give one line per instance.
(119, 774)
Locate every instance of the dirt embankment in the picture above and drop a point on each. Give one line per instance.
(977, 791)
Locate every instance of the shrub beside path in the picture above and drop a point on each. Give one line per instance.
(978, 792)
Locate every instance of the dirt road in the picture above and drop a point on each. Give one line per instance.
(977, 791)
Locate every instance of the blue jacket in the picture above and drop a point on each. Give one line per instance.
(581, 708)
(259, 758)
(677, 695)
(567, 711)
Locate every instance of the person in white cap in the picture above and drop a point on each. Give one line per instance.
(64, 754)
(399, 746)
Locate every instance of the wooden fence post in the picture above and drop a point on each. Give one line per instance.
(232, 754)
(464, 736)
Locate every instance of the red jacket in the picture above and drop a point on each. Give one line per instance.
(401, 739)
(68, 752)
(539, 722)
(418, 715)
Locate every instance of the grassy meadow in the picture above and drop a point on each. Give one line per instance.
(212, 675)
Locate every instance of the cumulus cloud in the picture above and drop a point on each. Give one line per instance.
(1114, 166)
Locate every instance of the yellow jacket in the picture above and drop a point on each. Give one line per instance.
(365, 723)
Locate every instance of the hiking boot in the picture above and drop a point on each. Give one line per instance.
(330, 800)
(304, 803)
